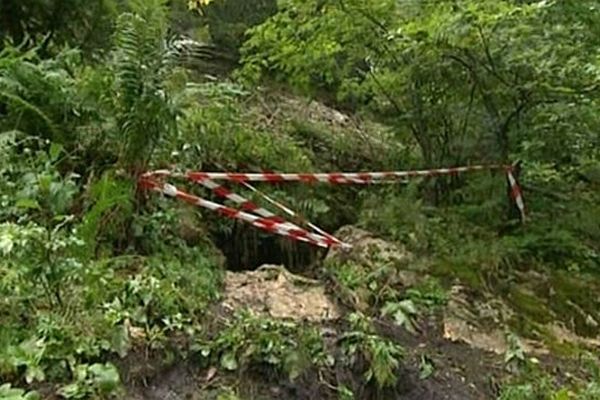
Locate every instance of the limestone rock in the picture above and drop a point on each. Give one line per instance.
(275, 292)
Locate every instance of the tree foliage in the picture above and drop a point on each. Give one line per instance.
(78, 22)
(228, 20)
(466, 78)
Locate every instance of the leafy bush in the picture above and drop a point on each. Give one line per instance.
(60, 305)
(38, 97)
(93, 381)
(398, 214)
(383, 356)
(284, 346)
(58, 22)
(228, 20)
(9, 393)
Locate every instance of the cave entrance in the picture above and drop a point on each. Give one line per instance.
(246, 249)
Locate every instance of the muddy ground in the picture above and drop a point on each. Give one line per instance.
(458, 352)
(460, 373)
(459, 370)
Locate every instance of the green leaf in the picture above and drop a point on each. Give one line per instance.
(34, 374)
(426, 368)
(345, 393)
(45, 182)
(30, 204)
(401, 318)
(6, 391)
(9, 393)
(409, 307)
(562, 395)
(120, 340)
(229, 362)
(33, 396)
(55, 150)
(71, 391)
(106, 377)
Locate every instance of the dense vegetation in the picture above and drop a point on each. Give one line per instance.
(95, 271)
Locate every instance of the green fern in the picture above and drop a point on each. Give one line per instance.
(36, 96)
(141, 66)
(24, 105)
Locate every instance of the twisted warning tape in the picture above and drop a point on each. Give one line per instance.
(516, 193)
(291, 212)
(268, 221)
(268, 224)
(247, 205)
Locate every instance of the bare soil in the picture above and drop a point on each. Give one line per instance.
(459, 342)
(460, 373)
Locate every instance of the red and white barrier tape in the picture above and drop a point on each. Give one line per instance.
(248, 206)
(516, 193)
(267, 224)
(292, 213)
(266, 220)
(332, 177)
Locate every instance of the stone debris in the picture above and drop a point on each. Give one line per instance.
(273, 291)
(481, 323)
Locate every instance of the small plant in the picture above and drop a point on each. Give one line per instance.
(344, 393)
(28, 356)
(591, 392)
(515, 354)
(383, 356)
(429, 294)
(7, 392)
(404, 313)
(285, 346)
(99, 381)
(228, 394)
(426, 367)
(518, 392)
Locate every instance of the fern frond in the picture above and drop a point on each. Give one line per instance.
(25, 105)
(141, 67)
